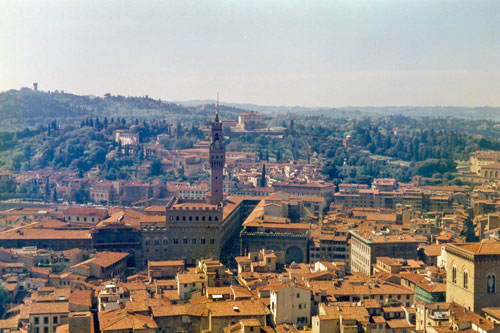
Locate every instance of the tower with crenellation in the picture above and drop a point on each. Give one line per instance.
(194, 229)
(217, 159)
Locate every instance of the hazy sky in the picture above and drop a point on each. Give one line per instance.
(311, 53)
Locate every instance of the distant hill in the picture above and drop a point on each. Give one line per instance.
(474, 113)
(26, 108)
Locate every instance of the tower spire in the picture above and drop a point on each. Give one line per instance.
(217, 112)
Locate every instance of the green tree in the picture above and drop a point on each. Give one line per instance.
(263, 176)
(156, 167)
(4, 299)
(330, 170)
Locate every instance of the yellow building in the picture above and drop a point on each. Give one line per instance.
(471, 272)
(483, 158)
(490, 171)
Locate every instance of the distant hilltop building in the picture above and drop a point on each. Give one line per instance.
(251, 121)
(35, 86)
(348, 141)
(485, 164)
(481, 158)
(129, 142)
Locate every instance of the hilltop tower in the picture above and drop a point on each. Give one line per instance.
(217, 158)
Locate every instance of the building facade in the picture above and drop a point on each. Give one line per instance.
(471, 274)
(366, 247)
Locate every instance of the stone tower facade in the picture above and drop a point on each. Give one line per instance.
(217, 158)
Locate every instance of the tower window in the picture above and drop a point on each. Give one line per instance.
(466, 279)
(454, 274)
(490, 284)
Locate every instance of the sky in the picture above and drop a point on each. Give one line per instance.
(308, 53)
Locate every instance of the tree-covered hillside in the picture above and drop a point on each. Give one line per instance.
(26, 108)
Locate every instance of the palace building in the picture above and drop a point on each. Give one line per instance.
(194, 229)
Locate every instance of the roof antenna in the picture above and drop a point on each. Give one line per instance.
(217, 113)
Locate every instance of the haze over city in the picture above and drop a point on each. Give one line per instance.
(348, 180)
(321, 53)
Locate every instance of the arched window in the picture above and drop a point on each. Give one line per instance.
(491, 284)
(466, 280)
(454, 274)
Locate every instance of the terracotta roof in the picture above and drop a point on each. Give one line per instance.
(165, 263)
(32, 233)
(172, 310)
(495, 312)
(280, 286)
(117, 320)
(191, 277)
(486, 247)
(155, 209)
(244, 308)
(81, 297)
(104, 259)
(11, 323)
(152, 219)
(432, 250)
(398, 323)
(99, 212)
(307, 185)
(48, 307)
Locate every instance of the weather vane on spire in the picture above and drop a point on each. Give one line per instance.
(217, 112)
